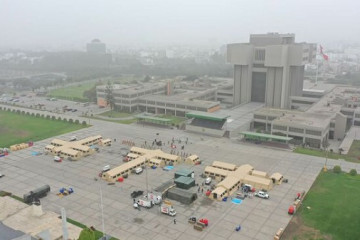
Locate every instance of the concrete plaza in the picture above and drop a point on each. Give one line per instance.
(259, 219)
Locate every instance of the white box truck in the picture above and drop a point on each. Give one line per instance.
(144, 202)
(154, 197)
(168, 209)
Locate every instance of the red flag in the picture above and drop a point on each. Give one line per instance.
(326, 57)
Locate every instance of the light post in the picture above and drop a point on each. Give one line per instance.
(326, 156)
(146, 173)
(102, 212)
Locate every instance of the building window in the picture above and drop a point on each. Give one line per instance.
(259, 117)
(347, 113)
(297, 130)
(259, 54)
(277, 127)
(312, 132)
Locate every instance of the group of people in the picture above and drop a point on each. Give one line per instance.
(128, 142)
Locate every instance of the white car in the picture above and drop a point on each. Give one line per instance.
(73, 138)
(208, 181)
(57, 159)
(262, 194)
(106, 168)
(1, 175)
(138, 170)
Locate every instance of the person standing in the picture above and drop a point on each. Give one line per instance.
(174, 220)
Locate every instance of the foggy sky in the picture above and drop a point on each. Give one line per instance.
(70, 24)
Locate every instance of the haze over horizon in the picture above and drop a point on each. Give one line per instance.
(69, 25)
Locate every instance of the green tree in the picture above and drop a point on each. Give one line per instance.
(109, 95)
(353, 172)
(87, 234)
(91, 94)
(337, 169)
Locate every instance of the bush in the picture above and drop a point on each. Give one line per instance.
(53, 118)
(353, 172)
(71, 121)
(87, 234)
(337, 169)
(77, 121)
(83, 123)
(38, 115)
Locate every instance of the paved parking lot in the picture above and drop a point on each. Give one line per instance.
(57, 106)
(259, 218)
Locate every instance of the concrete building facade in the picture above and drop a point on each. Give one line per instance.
(160, 98)
(269, 69)
(330, 117)
(96, 47)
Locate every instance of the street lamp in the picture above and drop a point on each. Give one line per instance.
(102, 212)
(326, 156)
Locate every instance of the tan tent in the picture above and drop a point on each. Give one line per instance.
(258, 182)
(277, 178)
(192, 159)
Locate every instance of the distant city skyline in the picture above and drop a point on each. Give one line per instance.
(69, 25)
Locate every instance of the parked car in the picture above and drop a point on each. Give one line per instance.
(73, 138)
(208, 181)
(2, 175)
(106, 168)
(57, 159)
(262, 194)
(74, 110)
(138, 170)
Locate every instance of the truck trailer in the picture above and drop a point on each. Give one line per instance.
(37, 193)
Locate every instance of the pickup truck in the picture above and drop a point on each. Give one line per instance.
(262, 194)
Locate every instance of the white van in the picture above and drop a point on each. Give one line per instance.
(138, 170)
(208, 181)
(106, 168)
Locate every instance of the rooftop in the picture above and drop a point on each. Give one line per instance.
(316, 120)
(18, 215)
(206, 115)
(182, 98)
(134, 88)
(268, 136)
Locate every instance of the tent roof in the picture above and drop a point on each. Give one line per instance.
(184, 180)
(268, 136)
(207, 116)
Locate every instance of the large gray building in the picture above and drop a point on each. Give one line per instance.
(96, 47)
(161, 98)
(269, 69)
